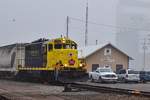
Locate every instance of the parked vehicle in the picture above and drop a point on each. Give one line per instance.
(128, 75)
(103, 75)
(144, 76)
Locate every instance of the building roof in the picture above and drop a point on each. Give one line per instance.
(84, 52)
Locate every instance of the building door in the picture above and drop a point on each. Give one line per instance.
(94, 66)
(119, 67)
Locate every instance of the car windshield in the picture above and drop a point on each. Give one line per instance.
(105, 70)
(132, 72)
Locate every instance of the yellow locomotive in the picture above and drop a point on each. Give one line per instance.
(46, 58)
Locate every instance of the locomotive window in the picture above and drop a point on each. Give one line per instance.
(50, 47)
(66, 46)
(73, 46)
(58, 46)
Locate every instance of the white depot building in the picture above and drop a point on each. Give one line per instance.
(133, 16)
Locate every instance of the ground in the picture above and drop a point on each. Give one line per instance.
(35, 91)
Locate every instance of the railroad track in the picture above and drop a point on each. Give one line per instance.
(104, 89)
(6, 95)
(3, 98)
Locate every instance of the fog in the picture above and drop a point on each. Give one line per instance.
(136, 17)
(27, 20)
(122, 22)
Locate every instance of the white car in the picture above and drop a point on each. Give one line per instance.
(103, 75)
(128, 75)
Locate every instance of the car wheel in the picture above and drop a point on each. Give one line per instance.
(100, 80)
(143, 81)
(124, 80)
(91, 79)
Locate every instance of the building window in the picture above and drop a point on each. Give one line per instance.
(107, 51)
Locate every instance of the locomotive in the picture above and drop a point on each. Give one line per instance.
(55, 59)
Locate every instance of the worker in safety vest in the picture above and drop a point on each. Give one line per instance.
(57, 68)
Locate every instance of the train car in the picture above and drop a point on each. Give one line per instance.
(44, 59)
(10, 57)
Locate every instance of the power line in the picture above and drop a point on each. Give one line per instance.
(106, 25)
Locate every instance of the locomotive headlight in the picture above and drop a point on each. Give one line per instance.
(80, 65)
(65, 65)
(63, 41)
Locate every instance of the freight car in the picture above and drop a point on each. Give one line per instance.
(55, 59)
(10, 57)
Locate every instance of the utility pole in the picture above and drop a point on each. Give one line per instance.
(86, 26)
(144, 49)
(67, 28)
(96, 42)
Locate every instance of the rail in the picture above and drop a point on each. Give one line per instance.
(3, 97)
(104, 89)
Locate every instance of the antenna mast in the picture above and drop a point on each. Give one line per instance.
(86, 26)
(67, 28)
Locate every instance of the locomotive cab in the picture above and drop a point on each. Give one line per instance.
(62, 53)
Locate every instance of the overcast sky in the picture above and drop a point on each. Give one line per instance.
(28, 20)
